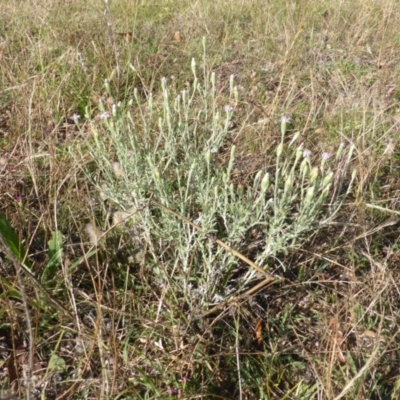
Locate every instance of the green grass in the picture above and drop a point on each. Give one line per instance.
(182, 238)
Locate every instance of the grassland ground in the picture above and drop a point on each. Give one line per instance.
(199, 199)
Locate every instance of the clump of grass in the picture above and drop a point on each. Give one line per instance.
(166, 148)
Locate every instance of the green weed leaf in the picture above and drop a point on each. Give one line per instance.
(56, 364)
(11, 240)
(55, 256)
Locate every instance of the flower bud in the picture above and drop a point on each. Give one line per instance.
(295, 137)
(304, 167)
(279, 150)
(233, 151)
(310, 194)
(231, 83)
(284, 123)
(265, 182)
(288, 183)
(193, 65)
(208, 157)
(314, 174)
(327, 180)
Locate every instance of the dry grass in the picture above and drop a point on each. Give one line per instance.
(112, 323)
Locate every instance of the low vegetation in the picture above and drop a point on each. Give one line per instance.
(199, 199)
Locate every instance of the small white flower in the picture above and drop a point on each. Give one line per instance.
(218, 298)
(228, 109)
(74, 118)
(326, 156)
(104, 115)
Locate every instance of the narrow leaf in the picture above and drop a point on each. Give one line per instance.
(11, 240)
(55, 256)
